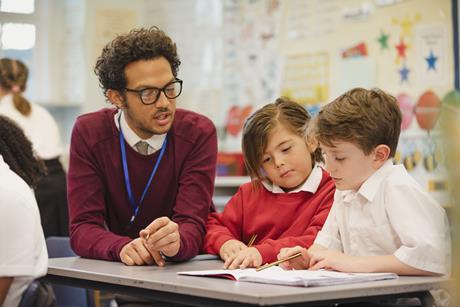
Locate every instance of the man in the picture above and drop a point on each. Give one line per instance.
(141, 176)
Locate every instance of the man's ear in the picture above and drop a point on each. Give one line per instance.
(116, 99)
(381, 154)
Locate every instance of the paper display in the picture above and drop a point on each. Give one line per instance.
(301, 278)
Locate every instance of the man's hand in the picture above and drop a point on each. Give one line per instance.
(298, 263)
(162, 235)
(247, 257)
(135, 253)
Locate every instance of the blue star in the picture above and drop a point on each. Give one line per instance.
(404, 72)
(431, 60)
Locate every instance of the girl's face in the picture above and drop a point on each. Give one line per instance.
(286, 159)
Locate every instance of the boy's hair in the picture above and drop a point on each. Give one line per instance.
(17, 152)
(366, 118)
(13, 77)
(261, 123)
(138, 44)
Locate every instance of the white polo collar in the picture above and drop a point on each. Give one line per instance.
(310, 185)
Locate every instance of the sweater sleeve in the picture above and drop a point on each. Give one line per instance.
(224, 226)
(89, 236)
(270, 248)
(194, 197)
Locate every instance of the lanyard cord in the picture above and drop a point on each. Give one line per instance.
(126, 173)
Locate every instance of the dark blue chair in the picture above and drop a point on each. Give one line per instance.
(67, 296)
(38, 294)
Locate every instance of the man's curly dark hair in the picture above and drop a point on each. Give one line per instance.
(17, 152)
(138, 44)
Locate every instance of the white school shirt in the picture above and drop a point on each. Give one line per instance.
(39, 127)
(389, 214)
(23, 254)
(155, 141)
(310, 185)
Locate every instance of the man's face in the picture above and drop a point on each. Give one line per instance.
(347, 164)
(156, 118)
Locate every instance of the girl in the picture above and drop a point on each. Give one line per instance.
(23, 254)
(288, 199)
(42, 130)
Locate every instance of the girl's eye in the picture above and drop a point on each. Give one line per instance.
(286, 149)
(265, 160)
(340, 159)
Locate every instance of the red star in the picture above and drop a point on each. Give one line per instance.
(401, 47)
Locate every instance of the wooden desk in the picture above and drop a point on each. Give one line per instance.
(164, 284)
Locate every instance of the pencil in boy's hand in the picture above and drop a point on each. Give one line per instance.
(252, 240)
(268, 265)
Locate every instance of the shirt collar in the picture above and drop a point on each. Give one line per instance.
(371, 186)
(310, 185)
(155, 141)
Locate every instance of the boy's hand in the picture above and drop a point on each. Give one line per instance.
(248, 257)
(230, 249)
(298, 263)
(333, 260)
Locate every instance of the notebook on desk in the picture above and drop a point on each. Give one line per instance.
(301, 278)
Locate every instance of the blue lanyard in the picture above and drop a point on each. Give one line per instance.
(126, 173)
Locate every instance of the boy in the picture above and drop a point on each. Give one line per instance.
(381, 219)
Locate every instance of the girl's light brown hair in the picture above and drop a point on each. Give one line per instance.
(260, 124)
(13, 78)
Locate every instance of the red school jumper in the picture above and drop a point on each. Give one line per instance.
(279, 219)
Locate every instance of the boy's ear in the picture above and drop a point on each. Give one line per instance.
(312, 143)
(116, 99)
(381, 154)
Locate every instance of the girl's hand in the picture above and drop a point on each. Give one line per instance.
(298, 263)
(248, 257)
(230, 249)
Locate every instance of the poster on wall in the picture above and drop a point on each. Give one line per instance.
(432, 54)
(306, 78)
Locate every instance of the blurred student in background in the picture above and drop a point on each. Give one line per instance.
(23, 255)
(41, 129)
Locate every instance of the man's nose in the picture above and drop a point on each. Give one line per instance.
(163, 101)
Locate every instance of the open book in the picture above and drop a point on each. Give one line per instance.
(302, 278)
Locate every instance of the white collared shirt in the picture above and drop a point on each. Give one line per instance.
(39, 127)
(310, 185)
(389, 214)
(155, 141)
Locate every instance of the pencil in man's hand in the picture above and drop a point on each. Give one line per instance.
(268, 265)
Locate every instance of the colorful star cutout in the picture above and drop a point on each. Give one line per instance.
(383, 40)
(406, 27)
(401, 48)
(431, 61)
(404, 72)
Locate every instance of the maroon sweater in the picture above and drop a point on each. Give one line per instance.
(182, 188)
(279, 219)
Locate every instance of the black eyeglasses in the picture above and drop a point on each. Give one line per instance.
(150, 95)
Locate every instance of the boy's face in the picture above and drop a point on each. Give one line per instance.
(347, 164)
(287, 159)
